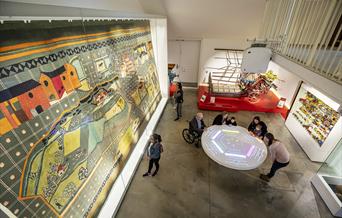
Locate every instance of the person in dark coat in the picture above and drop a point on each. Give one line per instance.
(197, 124)
(220, 119)
(231, 121)
(261, 130)
(258, 131)
(153, 153)
(179, 100)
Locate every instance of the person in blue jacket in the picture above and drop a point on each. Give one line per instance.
(153, 153)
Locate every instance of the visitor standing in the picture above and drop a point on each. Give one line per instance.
(278, 153)
(179, 100)
(153, 153)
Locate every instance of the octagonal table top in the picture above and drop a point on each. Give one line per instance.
(233, 147)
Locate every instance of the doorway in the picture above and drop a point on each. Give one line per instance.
(186, 54)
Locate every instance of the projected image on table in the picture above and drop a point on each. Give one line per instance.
(234, 147)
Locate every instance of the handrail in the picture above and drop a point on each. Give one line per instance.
(309, 32)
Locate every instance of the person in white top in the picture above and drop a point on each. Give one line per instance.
(279, 155)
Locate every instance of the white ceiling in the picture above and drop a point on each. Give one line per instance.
(197, 19)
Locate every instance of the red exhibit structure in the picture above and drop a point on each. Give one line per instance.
(266, 103)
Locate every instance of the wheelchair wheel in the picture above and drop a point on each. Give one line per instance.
(188, 137)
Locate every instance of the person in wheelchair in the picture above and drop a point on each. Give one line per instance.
(196, 126)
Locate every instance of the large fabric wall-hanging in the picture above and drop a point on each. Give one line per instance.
(74, 99)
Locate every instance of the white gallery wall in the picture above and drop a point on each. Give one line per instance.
(208, 46)
(194, 56)
(324, 85)
(186, 54)
(221, 19)
(217, 23)
(287, 83)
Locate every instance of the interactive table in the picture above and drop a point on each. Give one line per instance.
(233, 147)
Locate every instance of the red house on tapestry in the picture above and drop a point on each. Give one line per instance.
(20, 103)
(57, 82)
(52, 84)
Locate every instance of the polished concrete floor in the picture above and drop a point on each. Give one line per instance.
(189, 184)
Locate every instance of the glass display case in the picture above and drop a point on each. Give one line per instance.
(328, 181)
(314, 115)
(315, 123)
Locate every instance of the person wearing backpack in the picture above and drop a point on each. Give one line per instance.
(153, 153)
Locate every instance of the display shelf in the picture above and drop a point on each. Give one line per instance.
(316, 117)
(315, 123)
